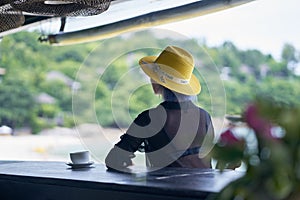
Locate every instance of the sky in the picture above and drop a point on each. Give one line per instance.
(265, 25)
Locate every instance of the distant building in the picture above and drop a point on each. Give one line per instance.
(2, 72)
(297, 70)
(44, 98)
(245, 69)
(264, 69)
(57, 75)
(5, 130)
(294, 67)
(225, 73)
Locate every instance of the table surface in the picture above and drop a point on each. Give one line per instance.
(169, 180)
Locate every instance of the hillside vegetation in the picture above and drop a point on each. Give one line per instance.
(45, 86)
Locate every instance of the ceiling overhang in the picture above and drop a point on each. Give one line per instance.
(125, 16)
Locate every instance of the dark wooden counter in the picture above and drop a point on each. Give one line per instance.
(56, 180)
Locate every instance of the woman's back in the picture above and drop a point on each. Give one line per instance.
(177, 142)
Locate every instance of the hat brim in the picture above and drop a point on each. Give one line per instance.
(192, 88)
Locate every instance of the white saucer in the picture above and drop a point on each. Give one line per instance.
(80, 165)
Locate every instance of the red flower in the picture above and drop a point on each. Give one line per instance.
(256, 122)
(228, 138)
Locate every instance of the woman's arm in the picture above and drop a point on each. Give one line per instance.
(121, 154)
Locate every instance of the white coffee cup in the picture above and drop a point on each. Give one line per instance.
(80, 157)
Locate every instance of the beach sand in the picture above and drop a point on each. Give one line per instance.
(56, 144)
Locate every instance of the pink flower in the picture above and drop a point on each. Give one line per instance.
(228, 138)
(257, 122)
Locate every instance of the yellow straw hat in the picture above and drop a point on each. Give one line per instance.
(173, 69)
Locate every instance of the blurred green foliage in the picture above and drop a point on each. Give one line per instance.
(106, 88)
(272, 170)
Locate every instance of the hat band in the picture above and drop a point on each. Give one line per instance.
(163, 75)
